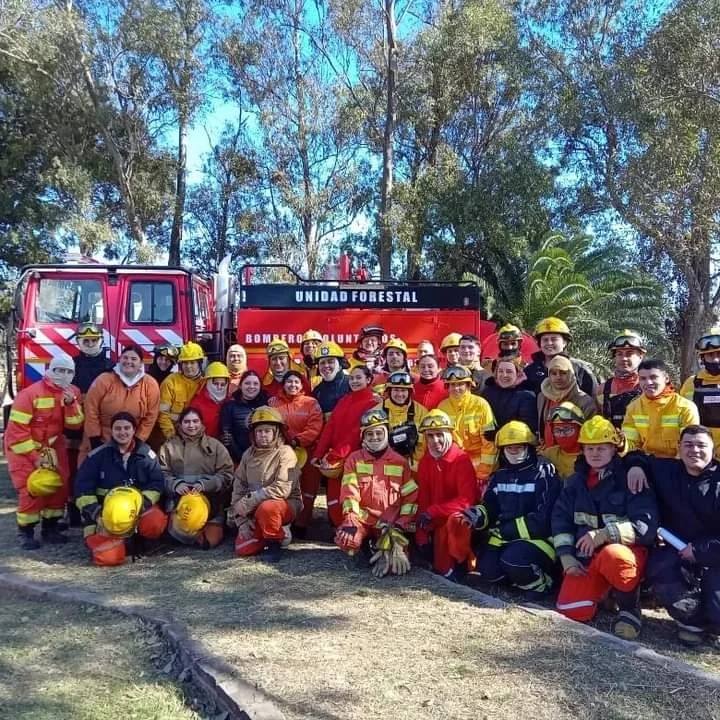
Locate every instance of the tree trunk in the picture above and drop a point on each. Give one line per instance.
(385, 231)
(176, 234)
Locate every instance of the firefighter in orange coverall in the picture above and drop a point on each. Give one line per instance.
(448, 485)
(377, 490)
(34, 439)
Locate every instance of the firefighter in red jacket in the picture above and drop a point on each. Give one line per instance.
(447, 486)
(377, 489)
(341, 435)
(36, 452)
(279, 362)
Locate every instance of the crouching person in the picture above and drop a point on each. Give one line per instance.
(117, 490)
(378, 499)
(601, 532)
(266, 488)
(686, 580)
(448, 485)
(198, 474)
(515, 513)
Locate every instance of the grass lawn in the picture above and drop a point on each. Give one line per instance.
(324, 640)
(66, 662)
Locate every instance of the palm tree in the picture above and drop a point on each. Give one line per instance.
(595, 289)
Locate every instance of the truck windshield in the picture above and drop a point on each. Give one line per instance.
(69, 300)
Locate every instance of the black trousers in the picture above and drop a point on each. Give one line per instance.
(520, 563)
(689, 593)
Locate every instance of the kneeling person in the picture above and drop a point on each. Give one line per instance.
(266, 488)
(378, 496)
(117, 490)
(601, 532)
(515, 512)
(198, 474)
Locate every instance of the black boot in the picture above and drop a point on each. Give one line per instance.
(51, 533)
(26, 537)
(73, 515)
(272, 552)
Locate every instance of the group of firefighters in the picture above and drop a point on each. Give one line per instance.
(530, 474)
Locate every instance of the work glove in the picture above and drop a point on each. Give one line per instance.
(475, 516)
(245, 505)
(380, 562)
(399, 562)
(246, 528)
(424, 520)
(90, 513)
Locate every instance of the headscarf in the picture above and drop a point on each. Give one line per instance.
(61, 380)
(447, 444)
(243, 365)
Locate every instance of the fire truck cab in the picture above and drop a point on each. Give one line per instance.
(144, 305)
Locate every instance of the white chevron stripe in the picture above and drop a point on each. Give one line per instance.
(171, 336)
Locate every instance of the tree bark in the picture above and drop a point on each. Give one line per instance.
(176, 234)
(386, 190)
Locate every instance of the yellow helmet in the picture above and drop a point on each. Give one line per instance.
(436, 420)
(88, 330)
(191, 351)
(217, 370)
(374, 417)
(396, 343)
(509, 332)
(552, 325)
(598, 430)
(121, 510)
(277, 347)
(709, 342)
(329, 349)
(191, 513)
(515, 433)
(302, 457)
(265, 414)
(456, 374)
(450, 341)
(311, 335)
(567, 412)
(42, 482)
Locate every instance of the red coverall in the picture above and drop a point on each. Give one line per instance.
(447, 486)
(37, 420)
(374, 489)
(430, 394)
(210, 410)
(341, 434)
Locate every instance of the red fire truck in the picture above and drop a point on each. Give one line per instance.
(149, 305)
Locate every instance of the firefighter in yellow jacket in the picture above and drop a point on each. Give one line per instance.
(178, 389)
(565, 423)
(704, 388)
(472, 418)
(404, 415)
(653, 422)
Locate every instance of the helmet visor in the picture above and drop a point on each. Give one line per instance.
(708, 343)
(627, 341)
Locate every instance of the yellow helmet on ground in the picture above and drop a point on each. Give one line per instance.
(277, 347)
(88, 330)
(515, 433)
(191, 513)
(552, 325)
(709, 342)
(217, 370)
(375, 417)
(329, 349)
(311, 335)
(43, 482)
(450, 341)
(456, 374)
(598, 430)
(630, 339)
(265, 414)
(302, 457)
(436, 420)
(399, 379)
(190, 352)
(567, 412)
(121, 510)
(397, 344)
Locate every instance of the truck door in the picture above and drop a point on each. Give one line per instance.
(150, 307)
(50, 304)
